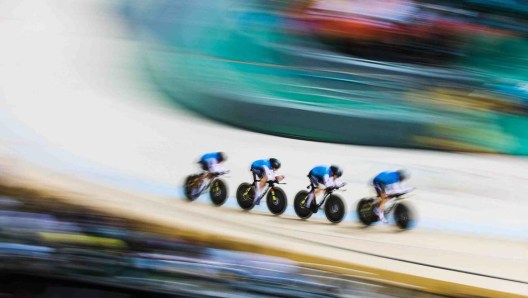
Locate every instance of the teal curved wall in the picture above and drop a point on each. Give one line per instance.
(233, 61)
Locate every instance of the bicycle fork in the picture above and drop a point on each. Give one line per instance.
(273, 196)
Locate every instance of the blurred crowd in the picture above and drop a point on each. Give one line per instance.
(487, 37)
(417, 31)
(46, 239)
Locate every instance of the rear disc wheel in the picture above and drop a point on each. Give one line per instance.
(335, 209)
(246, 196)
(299, 205)
(218, 192)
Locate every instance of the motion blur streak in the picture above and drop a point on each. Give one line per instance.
(91, 97)
(441, 75)
(108, 256)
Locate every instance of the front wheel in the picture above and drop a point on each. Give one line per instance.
(190, 188)
(245, 196)
(365, 211)
(403, 216)
(298, 204)
(335, 209)
(218, 192)
(276, 201)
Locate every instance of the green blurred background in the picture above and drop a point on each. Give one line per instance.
(447, 75)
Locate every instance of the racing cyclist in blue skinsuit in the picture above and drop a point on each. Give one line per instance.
(322, 177)
(210, 163)
(388, 184)
(265, 170)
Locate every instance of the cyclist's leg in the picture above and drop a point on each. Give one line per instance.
(214, 169)
(257, 175)
(262, 187)
(262, 184)
(205, 170)
(199, 182)
(314, 189)
(380, 190)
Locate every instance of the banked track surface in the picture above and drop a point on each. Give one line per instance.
(445, 264)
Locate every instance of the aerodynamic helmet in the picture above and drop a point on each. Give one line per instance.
(403, 174)
(275, 163)
(221, 157)
(336, 171)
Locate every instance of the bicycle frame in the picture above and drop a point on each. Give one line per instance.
(392, 200)
(210, 182)
(270, 186)
(328, 193)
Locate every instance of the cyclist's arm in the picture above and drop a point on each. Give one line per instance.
(328, 182)
(269, 173)
(214, 166)
(339, 183)
(398, 189)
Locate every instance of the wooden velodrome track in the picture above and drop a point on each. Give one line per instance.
(78, 126)
(443, 263)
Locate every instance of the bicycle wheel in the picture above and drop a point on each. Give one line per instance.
(277, 201)
(298, 205)
(335, 209)
(245, 196)
(190, 187)
(403, 216)
(218, 192)
(365, 211)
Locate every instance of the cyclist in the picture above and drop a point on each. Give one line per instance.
(322, 177)
(210, 163)
(265, 170)
(388, 184)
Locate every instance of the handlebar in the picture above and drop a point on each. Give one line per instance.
(338, 187)
(329, 188)
(221, 173)
(271, 182)
(332, 189)
(397, 195)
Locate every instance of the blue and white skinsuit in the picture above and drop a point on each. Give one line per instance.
(210, 163)
(321, 175)
(389, 183)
